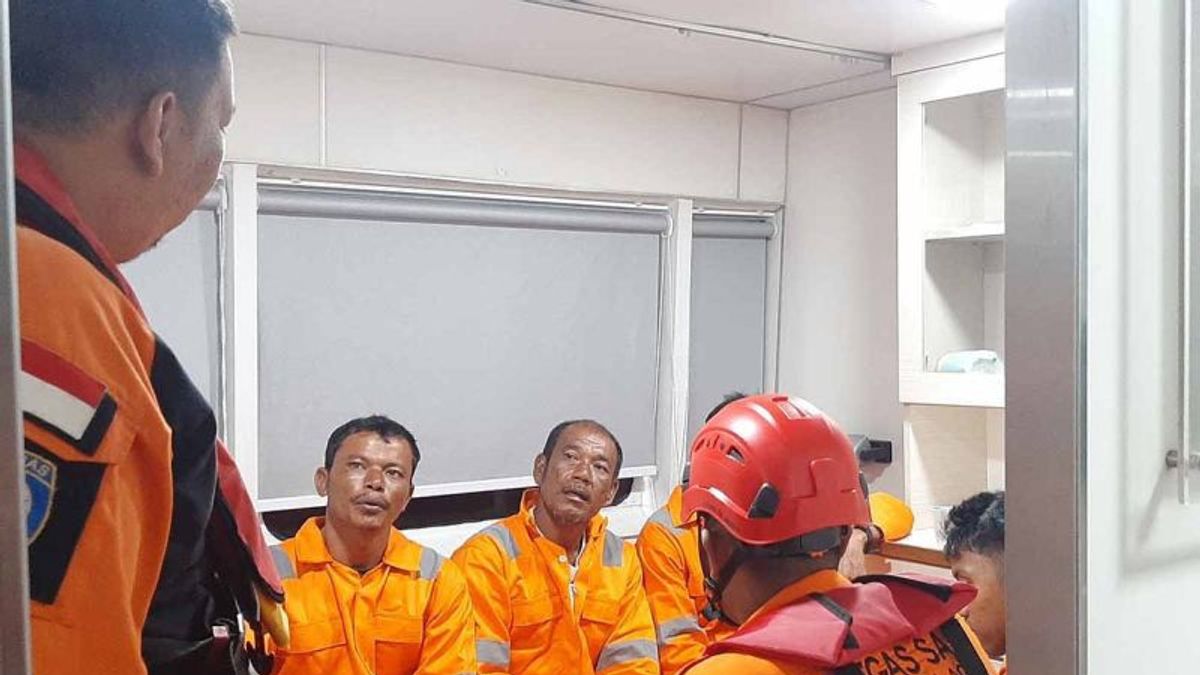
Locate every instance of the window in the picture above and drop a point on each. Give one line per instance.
(447, 315)
(728, 313)
(177, 284)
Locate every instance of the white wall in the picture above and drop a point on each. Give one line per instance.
(838, 315)
(311, 105)
(1143, 547)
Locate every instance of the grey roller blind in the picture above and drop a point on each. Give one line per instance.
(177, 283)
(731, 226)
(479, 339)
(728, 322)
(458, 210)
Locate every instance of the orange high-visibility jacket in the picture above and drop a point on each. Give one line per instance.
(411, 614)
(526, 620)
(932, 654)
(126, 487)
(669, 550)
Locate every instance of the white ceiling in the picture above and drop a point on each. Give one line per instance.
(514, 35)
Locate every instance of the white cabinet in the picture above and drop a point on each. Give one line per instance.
(950, 236)
(950, 266)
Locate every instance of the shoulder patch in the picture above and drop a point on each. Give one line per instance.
(62, 399)
(58, 498)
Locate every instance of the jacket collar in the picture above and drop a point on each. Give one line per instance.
(401, 553)
(530, 499)
(44, 205)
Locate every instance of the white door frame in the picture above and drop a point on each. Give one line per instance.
(14, 578)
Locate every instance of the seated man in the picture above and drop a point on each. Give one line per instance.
(669, 548)
(361, 598)
(556, 593)
(975, 547)
(776, 491)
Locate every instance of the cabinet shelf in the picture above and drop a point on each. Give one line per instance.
(972, 390)
(978, 233)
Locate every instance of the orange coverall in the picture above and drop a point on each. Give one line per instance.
(411, 614)
(532, 618)
(669, 550)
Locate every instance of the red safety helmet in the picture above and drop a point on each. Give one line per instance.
(771, 468)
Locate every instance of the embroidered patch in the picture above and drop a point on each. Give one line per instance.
(60, 498)
(40, 476)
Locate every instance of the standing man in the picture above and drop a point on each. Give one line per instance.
(363, 599)
(555, 592)
(776, 489)
(141, 535)
(974, 533)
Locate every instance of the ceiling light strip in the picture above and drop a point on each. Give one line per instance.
(716, 31)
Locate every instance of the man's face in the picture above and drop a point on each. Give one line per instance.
(369, 484)
(987, 613)
(192, 157)
(579, 478)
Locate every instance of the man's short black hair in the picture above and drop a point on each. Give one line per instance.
(976, 525)
(76, 62)
(380, 425)
(552, 439)
(729, 398)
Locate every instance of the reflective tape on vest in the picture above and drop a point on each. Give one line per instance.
(502, 536)
(614, 550)
(676, 627)
(620, 653)
(431, 564)
(493, 652)
(282, 563)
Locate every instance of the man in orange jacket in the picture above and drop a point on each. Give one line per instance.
(555, 592)
(143, 543)
(669, 548)
(776, 491)
(361, 597)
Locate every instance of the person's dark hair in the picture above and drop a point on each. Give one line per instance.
(976, 525)
(552, 439)
(76, 62)
(729, 398)
(380, 425)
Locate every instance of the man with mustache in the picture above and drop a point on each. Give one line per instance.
(554, 591)
(361, 597)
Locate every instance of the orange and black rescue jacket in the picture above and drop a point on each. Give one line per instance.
(879, 625)
(141, 535)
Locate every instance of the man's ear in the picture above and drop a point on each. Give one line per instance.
(612, 491)
(321, 481)
(539, 468)
(158, 121)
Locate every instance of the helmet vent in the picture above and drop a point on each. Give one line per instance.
(766, 502)
(735, 455)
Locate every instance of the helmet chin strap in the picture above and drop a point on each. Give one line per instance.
(716, 586)
(811, 546)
